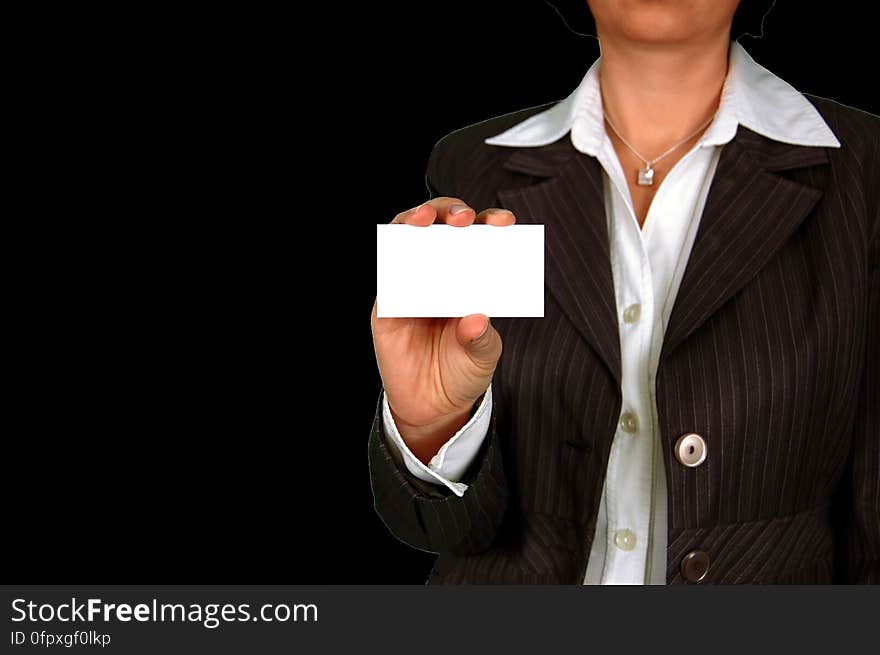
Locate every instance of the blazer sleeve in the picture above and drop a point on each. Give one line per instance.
(859, 501)
(424, 515)
(430, 517)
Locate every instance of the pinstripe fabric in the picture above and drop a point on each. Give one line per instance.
(771, 354)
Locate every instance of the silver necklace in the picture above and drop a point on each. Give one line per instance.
(646, 174)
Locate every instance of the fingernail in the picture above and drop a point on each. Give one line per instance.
(415, 209)
(481, 334)
(457, 209)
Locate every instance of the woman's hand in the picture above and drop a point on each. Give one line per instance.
(435, 369)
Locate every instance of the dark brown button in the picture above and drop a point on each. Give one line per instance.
(695, 565)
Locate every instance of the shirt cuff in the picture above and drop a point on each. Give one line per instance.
(454, 456)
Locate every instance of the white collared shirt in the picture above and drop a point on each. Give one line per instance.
(647, 264)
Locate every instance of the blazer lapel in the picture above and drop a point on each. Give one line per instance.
(570, 202)
(750, 212)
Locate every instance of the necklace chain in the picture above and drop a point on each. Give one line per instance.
(650, 162)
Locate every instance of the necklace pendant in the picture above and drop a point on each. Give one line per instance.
(646, 176)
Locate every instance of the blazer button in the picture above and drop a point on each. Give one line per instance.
(690, 449)
(695, 565)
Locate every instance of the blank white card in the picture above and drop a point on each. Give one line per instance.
(445, 271)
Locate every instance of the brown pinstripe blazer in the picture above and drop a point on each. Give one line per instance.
(772, 353)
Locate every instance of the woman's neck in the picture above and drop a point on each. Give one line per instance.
(658, 94)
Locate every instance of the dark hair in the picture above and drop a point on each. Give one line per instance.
(748, 19)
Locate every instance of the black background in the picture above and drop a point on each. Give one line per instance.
(196, 394)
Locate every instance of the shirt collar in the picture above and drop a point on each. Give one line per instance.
(752, 96)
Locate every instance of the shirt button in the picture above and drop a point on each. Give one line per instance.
(629, 422)
(625, 539)
(690, 449)
(631, 314)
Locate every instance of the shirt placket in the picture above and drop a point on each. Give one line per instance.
(630, 472)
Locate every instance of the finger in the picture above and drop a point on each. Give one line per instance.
(482, 342)
(443, 209)
(496, 216)
(452, 211)
(421, 215)
(471, 327)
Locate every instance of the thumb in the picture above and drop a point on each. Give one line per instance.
(481, 341)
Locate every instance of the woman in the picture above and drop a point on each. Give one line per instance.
(700, 402)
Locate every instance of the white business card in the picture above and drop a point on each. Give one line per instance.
(445, 271)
